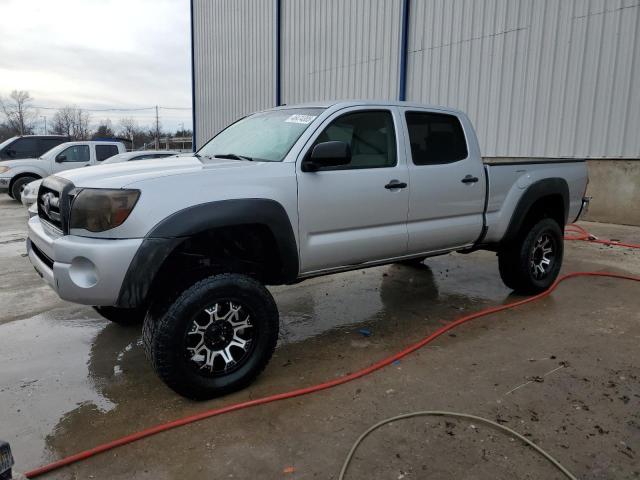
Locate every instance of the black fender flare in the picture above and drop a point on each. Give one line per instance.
(162, 240)
(536, 191)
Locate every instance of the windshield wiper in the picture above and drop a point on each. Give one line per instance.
(233, 156)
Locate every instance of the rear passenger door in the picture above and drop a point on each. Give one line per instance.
(447, 183)
(351, 214)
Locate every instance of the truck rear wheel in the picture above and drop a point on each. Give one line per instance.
(532, 263)
(215, 338)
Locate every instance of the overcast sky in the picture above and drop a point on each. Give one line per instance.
(99, 54)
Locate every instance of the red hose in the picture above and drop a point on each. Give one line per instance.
(322, 386)
(576, 232)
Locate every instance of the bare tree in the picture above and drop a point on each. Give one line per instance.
(72, 122)
(19, 112)
(81, 122)
(129, 129)
(62, 123)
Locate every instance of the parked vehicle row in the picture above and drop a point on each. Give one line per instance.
(280, 196)
(15, 174)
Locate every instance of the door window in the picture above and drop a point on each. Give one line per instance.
(46, 144)
(25, 148)
(435, 138)
(105, 151)
(75, 153)
(370, 135)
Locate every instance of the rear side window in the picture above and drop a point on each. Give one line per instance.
(435, 138)
(105, 151)
(25, 148)
(371, 136)
(46, 144)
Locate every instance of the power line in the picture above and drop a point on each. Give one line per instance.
(114, 109)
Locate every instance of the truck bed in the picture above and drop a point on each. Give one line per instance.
(507, 181)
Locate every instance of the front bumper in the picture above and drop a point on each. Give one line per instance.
(28, 199)
(4, 184)
(82, 270)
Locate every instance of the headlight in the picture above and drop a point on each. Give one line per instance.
(97, 210)
(4, 169)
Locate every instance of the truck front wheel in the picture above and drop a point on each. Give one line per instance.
(532, 263)
(18, 185)
(215, 338)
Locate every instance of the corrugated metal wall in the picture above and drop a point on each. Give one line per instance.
(234, 61)
(340, 49)
(539, 78)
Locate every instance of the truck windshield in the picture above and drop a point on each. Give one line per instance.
(264, 136)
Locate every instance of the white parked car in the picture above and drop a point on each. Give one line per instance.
(30, 191)
(140, 155)
(15, 174)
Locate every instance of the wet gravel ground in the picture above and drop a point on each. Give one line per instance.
(565, 372)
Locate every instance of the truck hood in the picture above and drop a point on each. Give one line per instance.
(121, 175)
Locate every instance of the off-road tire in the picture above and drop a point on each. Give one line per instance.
(18, 186)
(122, 316)
(515, 260)
(166, 324)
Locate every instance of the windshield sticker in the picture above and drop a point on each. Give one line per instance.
(304, 119)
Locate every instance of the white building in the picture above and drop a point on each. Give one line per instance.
(539, 78)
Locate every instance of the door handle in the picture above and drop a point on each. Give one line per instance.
(395, 184)
(469, 179)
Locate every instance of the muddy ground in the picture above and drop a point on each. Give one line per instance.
(565, 372)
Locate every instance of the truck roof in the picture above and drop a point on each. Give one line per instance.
(357, 102)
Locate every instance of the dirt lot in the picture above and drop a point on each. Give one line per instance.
(565, 372)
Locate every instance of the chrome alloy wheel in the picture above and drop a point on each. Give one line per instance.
(542, 256)
(220, 339)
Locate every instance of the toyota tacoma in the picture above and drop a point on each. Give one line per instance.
(187, 245)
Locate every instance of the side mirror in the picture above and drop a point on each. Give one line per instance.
(327, 154)
(61, 158)
(10, 152)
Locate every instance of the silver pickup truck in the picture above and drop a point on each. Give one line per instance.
(282, 195)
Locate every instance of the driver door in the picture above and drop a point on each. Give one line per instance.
(351, 214)
(72, 157)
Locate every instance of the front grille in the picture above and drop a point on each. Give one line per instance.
(49, 206)
(54, 202)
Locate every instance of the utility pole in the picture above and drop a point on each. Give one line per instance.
(157, 130)
(44, 117)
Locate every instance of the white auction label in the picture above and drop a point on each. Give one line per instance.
(298, 118)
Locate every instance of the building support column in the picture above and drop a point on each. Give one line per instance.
(404, 46)
(277, 6)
